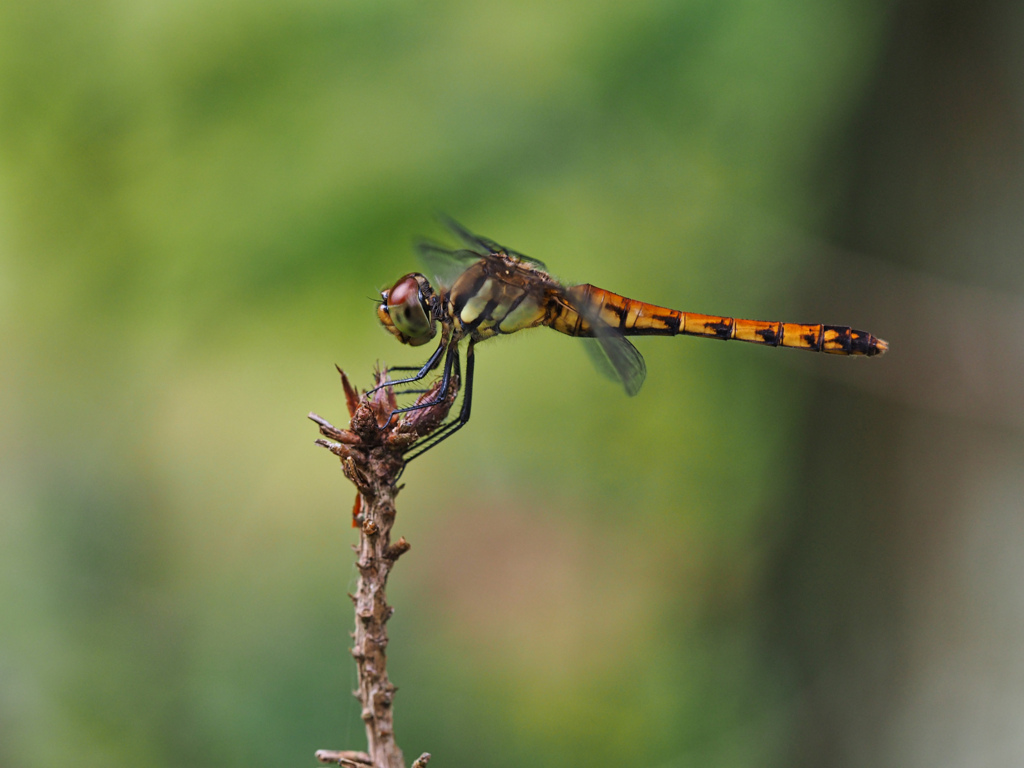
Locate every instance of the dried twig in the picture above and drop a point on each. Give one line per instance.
(344, 757)
(371, 457)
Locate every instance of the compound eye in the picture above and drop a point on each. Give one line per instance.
(408, 310)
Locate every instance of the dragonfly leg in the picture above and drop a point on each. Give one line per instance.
(423, 371)
(450, 360)
(455, 425)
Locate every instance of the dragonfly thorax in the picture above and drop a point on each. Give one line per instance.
(406, 312)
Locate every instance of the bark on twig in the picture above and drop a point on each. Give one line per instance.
(371, 457)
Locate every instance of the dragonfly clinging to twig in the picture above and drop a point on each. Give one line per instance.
(485, 289)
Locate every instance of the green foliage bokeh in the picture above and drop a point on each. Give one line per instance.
(197, 203)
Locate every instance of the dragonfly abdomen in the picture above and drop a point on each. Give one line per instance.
(637, 318)
(832, 339)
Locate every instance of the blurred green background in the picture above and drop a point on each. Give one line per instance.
(766, 558)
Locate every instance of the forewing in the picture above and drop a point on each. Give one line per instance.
(444, 264)
(612, 353)
(523, 257)
(486, 244)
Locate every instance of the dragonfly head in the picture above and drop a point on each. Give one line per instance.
(405, 310)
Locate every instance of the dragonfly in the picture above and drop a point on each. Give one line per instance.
(484, 289)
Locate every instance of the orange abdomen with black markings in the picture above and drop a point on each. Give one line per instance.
(638, 318)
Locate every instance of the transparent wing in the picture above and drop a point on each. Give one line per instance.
(599, 358)
(445, 264)
(486, 245)
(612, 353)
(624, 358)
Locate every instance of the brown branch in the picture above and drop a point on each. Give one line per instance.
(371, 457)
(343, 757)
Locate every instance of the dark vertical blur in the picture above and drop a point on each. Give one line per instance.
(898, 594)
